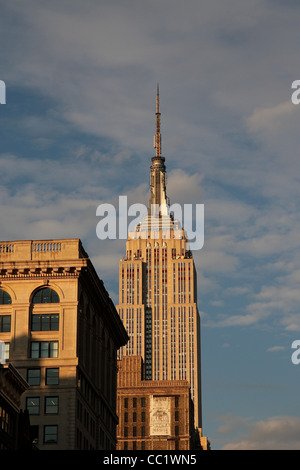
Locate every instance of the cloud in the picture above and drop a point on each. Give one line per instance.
(274, 433)
(270, 119)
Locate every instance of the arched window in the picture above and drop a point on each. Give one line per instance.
(5, 298)
(45, 296)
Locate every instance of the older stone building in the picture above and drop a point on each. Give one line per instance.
(153, 414)
(62, 332)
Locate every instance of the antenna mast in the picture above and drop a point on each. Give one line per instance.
(157, 137)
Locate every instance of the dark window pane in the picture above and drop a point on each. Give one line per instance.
(34, 376)
(50, 434)
(54, 322)
(33, 405)
(45, 322)
(51, 405)
(5, 321)
(52, 376)
(35, 322)
(44, 348)
(45, 296)
(34, 350)
(5, 298)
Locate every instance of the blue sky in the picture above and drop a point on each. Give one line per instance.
(77, 131)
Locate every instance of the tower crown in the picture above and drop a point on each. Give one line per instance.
(158, 197)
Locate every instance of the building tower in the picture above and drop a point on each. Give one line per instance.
(158, 291)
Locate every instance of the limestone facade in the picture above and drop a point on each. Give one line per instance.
(62, 332)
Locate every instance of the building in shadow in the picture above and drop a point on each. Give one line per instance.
(14, 422)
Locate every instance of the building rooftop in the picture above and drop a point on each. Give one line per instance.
(32, 250)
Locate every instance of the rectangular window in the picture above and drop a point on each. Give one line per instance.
(134, 417)
(5, 321)
(52, 376)
(33, 405)
(6, 351)
(50, 434)
(51, 405)
(125, 402)
(34, 376)
(41, 349)
(44, 322)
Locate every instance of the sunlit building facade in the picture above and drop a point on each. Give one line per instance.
(61, 331)
(158, 291)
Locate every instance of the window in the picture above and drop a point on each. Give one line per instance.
(34, 376)
(45, 296)
(176, 416)
(6, 351)
(44, 322)
(134, 402)
(52, 376)
(51, 405)
(5, 323)
(44, 349)
(143, 417)
(125, 402)
(143, 401)
(33, 405)
(50, 434)
(5, 298)
(126, 417)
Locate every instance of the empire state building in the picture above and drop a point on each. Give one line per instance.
(158, 291)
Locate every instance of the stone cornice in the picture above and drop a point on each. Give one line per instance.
(41, 270)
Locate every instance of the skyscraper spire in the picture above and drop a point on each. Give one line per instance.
(157, 137)
(158, 202)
